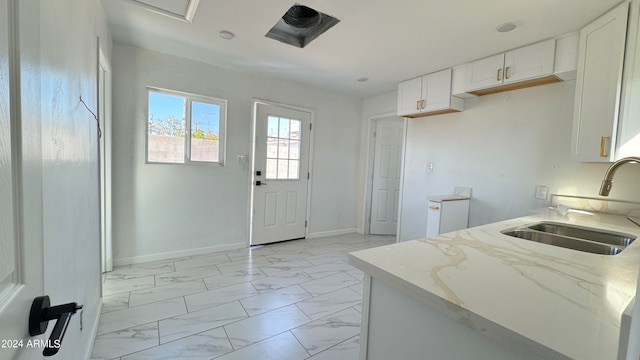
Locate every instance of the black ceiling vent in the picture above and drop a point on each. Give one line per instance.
(300, 25)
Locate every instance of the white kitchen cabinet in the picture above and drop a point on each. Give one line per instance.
(446, 214)
(428, 95)
(599, 86)
(628, 141)
(527, 66)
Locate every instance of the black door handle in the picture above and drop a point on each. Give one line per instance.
(260, 183)
(40, 315)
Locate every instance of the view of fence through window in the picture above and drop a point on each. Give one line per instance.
(177, 122)
(283, 148)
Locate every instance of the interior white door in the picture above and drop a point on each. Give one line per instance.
(280, 178)
(21, 269)
(386, 179)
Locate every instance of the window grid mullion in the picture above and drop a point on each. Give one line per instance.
(187, 130)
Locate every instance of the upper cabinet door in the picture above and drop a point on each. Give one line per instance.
(438, 90)
(598, 86)
(485, 73)
(410, 97)
(529, 62)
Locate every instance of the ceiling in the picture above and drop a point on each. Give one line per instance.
(383, 40)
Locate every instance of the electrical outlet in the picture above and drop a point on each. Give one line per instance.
(541, 192)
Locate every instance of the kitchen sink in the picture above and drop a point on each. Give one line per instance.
(600, 236)
(573, 237)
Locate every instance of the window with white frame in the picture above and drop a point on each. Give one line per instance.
(185, 128)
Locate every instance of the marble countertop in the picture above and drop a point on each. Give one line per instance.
(543, 301)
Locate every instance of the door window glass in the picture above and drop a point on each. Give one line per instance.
(283, 148)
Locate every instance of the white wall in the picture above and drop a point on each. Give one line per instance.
(68, 38)
(168, 210)
(502, 146)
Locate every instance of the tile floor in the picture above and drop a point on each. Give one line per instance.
(293, 300)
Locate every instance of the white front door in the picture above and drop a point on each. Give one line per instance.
(280, 173)
(21, 269)
(389, 135)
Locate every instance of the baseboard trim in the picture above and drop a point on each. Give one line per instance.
(321, 234)
(176, 254)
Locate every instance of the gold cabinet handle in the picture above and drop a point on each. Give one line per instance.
(433, 207)
(418, 105)
(422, 104)
(506, 72)
(498, 78)
(603, 142)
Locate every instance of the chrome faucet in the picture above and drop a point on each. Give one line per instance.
(608, 176)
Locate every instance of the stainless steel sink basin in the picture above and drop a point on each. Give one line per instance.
(573, 237)
(600, 236)
(565, 242)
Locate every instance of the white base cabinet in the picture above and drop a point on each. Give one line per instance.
(447, 214)
(397, 325)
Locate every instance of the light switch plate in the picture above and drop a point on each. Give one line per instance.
(541, 192)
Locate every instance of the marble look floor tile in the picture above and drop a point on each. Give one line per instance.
(160, 293)
(280, 347)
(357, 274)
(244, 254)
(122, 319)
(232, 295)
(358, 288)
(186, 275)
(115, 302)
(328, 331)
(202, 261)
(115, 344)
(331, 258)
(323, 270)
(244, 265)
(263, 326)
(203, 346)
(329, 283)
(346, 350)
(116, 286)
(192, 323)
(219, 296)
(273, 300)
(284, 257)
(130, 272)
(159, 263)
(287, 266)
(233, 278)
(321, 306)
(281, 281)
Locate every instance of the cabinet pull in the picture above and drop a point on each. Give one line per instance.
(506, 72)
(418, 105)
(498, 78)
(422, 104)
(433, 207)
(603, 142)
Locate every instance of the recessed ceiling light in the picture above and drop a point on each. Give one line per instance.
(227, 35)
(363, 79)
(506, 27)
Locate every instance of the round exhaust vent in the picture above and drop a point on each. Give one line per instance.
(301, 16)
